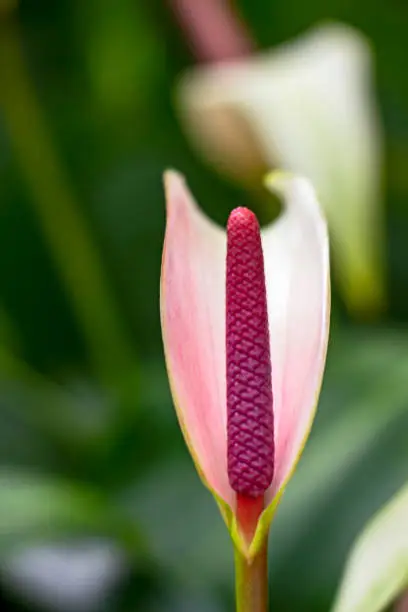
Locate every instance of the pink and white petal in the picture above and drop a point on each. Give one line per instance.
(193, 325)
(296, 253)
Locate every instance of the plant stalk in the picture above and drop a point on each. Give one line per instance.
(251, 582)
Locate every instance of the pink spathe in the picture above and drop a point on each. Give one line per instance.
(193, 302)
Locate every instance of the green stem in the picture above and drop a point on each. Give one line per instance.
(251, 582)
(59, 213)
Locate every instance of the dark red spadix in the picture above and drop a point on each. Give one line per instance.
(250, 429)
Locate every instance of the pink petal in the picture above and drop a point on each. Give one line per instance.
(296, 253)
(193, 323)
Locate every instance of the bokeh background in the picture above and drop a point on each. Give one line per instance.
(100, 506)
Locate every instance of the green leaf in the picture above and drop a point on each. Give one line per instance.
(363, 394)
(182, 524)
(377, 570)
(38, 508)
(36, 505)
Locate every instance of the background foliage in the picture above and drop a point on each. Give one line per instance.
(95, 481)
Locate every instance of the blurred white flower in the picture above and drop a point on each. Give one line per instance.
(308, 107)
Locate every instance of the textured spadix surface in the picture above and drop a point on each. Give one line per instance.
(193, 302)
(249, 379)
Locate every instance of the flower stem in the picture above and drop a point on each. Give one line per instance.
(251, 581)
(213, 28)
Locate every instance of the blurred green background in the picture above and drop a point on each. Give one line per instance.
(100, 506)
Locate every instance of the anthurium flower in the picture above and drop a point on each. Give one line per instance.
(307, 107)
(245, 318)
